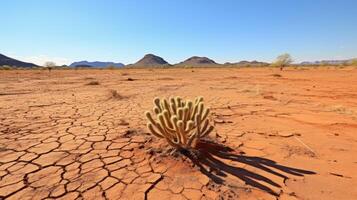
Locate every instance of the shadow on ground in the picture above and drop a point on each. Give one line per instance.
(209, 159)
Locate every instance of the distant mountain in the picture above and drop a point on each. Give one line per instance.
(196, 60)
(83, 66)
(150, 60)
(4, 60)
(248, 63)
(96, 64)
(325, 62)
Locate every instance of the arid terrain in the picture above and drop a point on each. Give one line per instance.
(81, 134)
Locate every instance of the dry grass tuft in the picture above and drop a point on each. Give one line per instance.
(341, 110)
(115, 95)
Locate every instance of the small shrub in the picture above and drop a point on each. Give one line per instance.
(115, 95)
(6, 67)
(282, 61)
(181, 123)
(353, 62)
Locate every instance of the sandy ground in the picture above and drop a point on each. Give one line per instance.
(278, 135)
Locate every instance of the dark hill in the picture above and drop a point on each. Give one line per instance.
(150, 60)
(4, 60)
(248, 63)
(196, 60)
(96, 64)
(83, 66)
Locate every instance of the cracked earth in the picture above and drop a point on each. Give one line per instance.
(293, 136)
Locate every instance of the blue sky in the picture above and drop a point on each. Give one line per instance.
(224, 30)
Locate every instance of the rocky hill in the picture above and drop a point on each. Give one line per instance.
(248, 63)
(4, 60)
(150, 60)
(325, 62)
(196, 60)
(96, 64)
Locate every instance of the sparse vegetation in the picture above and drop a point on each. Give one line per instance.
(341, 110)
(354, 62)
(49, 64)
(6, 67)
(283, 61)
(181, 123)
(114, 94)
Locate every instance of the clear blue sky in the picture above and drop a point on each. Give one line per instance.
(224, 30)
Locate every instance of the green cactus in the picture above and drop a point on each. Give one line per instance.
(181, 123)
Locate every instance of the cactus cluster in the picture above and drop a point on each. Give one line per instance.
(182, 123)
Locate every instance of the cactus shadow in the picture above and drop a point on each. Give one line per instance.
(210, 155)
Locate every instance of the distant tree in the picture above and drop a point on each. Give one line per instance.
(49, 65)
(283, 60)
(354, 62)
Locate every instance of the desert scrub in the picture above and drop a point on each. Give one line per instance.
(115, 95)
(5, 67)
(93, 83)
(181, 123)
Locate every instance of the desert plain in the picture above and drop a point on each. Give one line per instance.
(81, 134)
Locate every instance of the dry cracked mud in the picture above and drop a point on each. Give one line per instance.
(291, 136)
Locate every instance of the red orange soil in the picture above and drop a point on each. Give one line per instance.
(286, 136)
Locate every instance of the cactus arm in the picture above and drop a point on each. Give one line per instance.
(189, 126)
(180, 113)
(200, 108)
(190, 109)
(156, 110)
(157, 103)
(151, 120)
(165, 127)
(208, 131)
(167, 119)
(205, 114)
(166, 106)
(168, 138)
(173, 106)
(193, 114)
(181, 132)
(174, 120)
(198, 125)
(153, 131)
(191, 139)
(186, 112)
(178, 101)
(204, 127)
